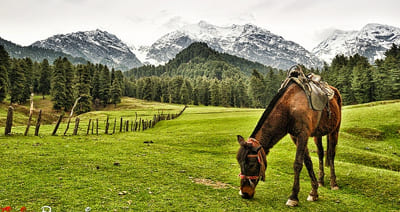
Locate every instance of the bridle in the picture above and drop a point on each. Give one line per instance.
(260, 158)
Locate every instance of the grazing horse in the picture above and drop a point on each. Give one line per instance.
(290, 112)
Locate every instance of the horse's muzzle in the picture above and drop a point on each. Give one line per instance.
(245, 195)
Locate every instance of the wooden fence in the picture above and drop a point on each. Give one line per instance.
(136, 125)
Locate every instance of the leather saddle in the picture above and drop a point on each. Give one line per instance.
(317, 91)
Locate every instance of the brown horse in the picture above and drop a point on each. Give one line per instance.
(289, 112)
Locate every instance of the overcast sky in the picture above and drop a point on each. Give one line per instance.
(136, 22)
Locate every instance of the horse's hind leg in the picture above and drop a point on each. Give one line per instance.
(313, 196)
(331, 151)
(321, 174)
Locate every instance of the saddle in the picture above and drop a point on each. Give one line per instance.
(317, 91)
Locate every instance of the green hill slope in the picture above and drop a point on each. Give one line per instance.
(200, 60)
(191, 166)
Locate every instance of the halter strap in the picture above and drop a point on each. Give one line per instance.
(260, 158)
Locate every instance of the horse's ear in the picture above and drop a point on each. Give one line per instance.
(241, 140)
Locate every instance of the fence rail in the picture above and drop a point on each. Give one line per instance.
(138, 124)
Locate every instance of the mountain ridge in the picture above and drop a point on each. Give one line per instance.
(96, 46)
(247, 41)
(36, 53)
(370, 41)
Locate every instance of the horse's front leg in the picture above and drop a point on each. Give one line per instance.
(301, 143)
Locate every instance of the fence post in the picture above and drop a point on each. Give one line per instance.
(58, 124)
(72, 113)
(97, 126)
(9, 121)
(76, 126)
(115, 123)
(120, 125)
(38, 123)
(127, 126)
(30, 116)
(107, 124)
(88, 128)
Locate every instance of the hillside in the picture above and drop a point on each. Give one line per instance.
(36, 53)
(191, 165)
(198, 59)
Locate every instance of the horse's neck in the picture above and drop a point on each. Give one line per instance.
(275, 125)
(273, 129)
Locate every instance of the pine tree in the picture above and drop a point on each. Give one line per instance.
(184, 94)
(69, 82)
(26, 66)
(4, 67)
(45, 78)
(3, 82)
(225, 93)
(272, 85)
(146, 89)
(395, 73)
(36, 70)
(214, 93)
(175, 88)
(105, 85)
(58, 85)
(362, 82)
(17, 81)
(82, 89)
(95, 91)
(240, 94)
(115, 92)
(257, 89)
(121, 80)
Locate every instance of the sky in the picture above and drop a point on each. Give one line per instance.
(142, 22)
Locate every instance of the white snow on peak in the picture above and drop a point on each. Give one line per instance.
(96, 46)
(371, 41)
(247, 41)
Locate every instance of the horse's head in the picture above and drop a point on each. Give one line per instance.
(253, 163)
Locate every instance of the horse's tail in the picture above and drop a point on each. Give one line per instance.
(332, 137)
(331, 150)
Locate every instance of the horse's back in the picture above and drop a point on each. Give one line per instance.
(317, 123)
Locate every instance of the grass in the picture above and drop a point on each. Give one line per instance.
(191, 165)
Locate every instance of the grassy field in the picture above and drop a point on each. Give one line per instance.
(190, 164)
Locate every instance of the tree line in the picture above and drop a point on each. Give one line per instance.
(235, 91)
(95, 84)
(213, 82)
(360, 82)
(196, 76)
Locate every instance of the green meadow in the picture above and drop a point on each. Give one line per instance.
(188, 164)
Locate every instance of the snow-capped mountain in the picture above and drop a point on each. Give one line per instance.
(371, 41)
(95, 46)
(247, 41)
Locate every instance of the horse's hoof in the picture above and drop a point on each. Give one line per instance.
(335, 188)
(312, 198)
(292, 203)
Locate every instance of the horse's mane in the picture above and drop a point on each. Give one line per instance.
(268, 110)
